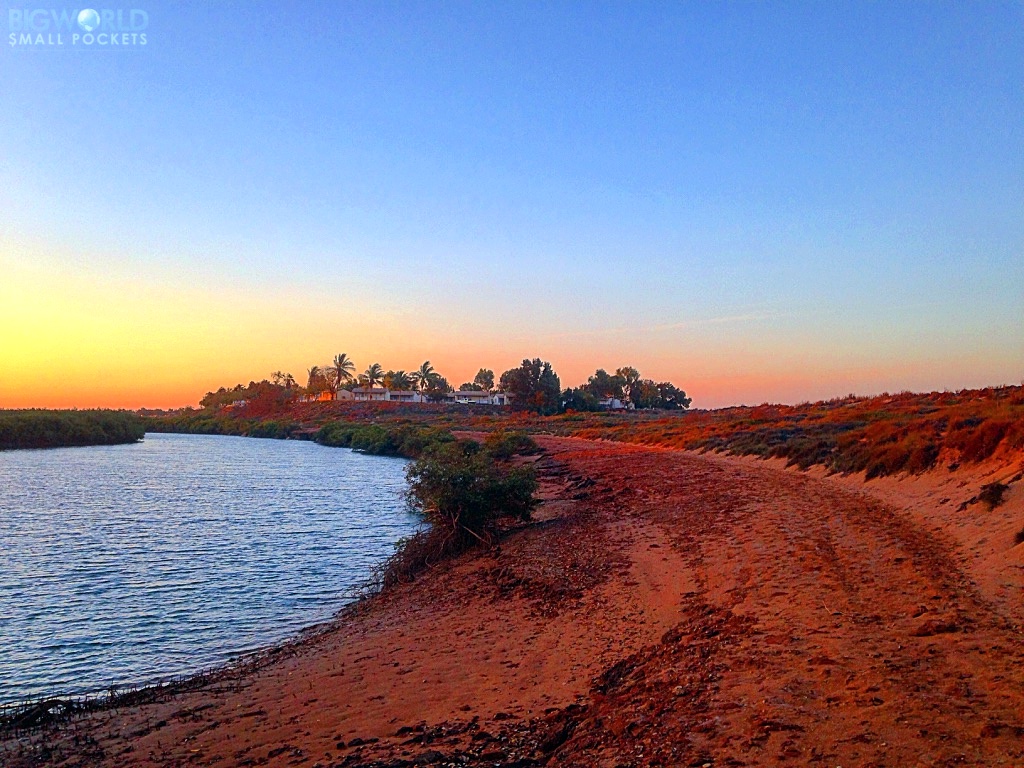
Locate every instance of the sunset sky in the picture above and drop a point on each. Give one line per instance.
(756, 201)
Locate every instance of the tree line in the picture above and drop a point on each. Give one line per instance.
(56, 429)
(340, 374)
(533, 386)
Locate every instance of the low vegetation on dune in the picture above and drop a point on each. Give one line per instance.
(57, 429)
(880, 436)
(992, 494)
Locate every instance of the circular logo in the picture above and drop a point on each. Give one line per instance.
(88, 20)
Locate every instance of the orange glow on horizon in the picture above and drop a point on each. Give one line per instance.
(76, 337)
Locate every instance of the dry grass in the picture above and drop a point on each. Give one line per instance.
(880, 436)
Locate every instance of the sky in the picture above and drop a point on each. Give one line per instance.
(760, 202)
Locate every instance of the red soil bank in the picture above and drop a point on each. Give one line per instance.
(667, 609)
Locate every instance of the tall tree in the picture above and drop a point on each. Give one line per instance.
(672, 397)
(437, 389)
(282, 379)
(397, 380)
(580, 399)
(317, 381)
(650, 394)
(372, 375)
(344, 370)
(484, 379)
(424, 375)
(602, 384)
(630, 378)
(534, 386)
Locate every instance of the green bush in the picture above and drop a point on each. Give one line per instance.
(461, 489)
(200, 423)
(406, 440)
(462, 492)
(279, 430)
(55, 429)
(504, 445)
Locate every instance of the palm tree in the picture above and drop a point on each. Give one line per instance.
(399, 380)
(344, 369)
(318, 381)
(424, 375)
(372, 375)
(315, 378)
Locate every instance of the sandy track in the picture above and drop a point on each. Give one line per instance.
(668, 610)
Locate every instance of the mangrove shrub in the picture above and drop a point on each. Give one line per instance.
(56, 429)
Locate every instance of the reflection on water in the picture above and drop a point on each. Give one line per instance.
(128, 564)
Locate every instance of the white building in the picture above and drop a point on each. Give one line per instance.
(370, 393)
(471, 396)
(380, 394)
(404, 396)
(479, 397)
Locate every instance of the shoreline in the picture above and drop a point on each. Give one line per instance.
(32, 713)
(250, 592)
(36, 712)
(665, 608)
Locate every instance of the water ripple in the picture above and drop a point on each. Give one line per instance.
(131, 564)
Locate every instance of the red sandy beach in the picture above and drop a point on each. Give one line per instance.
(665, 609)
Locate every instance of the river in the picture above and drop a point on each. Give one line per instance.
(130, 564)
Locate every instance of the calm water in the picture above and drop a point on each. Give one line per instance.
(128, 564)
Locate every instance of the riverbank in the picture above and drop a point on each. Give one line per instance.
(39, 428)
(666, 608)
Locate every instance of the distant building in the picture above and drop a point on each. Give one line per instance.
(479, 397)
(612, 404)
(324, 397)
(472, 396)
(404, 396)
(380, 394)
(369, 393)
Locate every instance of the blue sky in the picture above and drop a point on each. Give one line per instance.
(759, 201)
